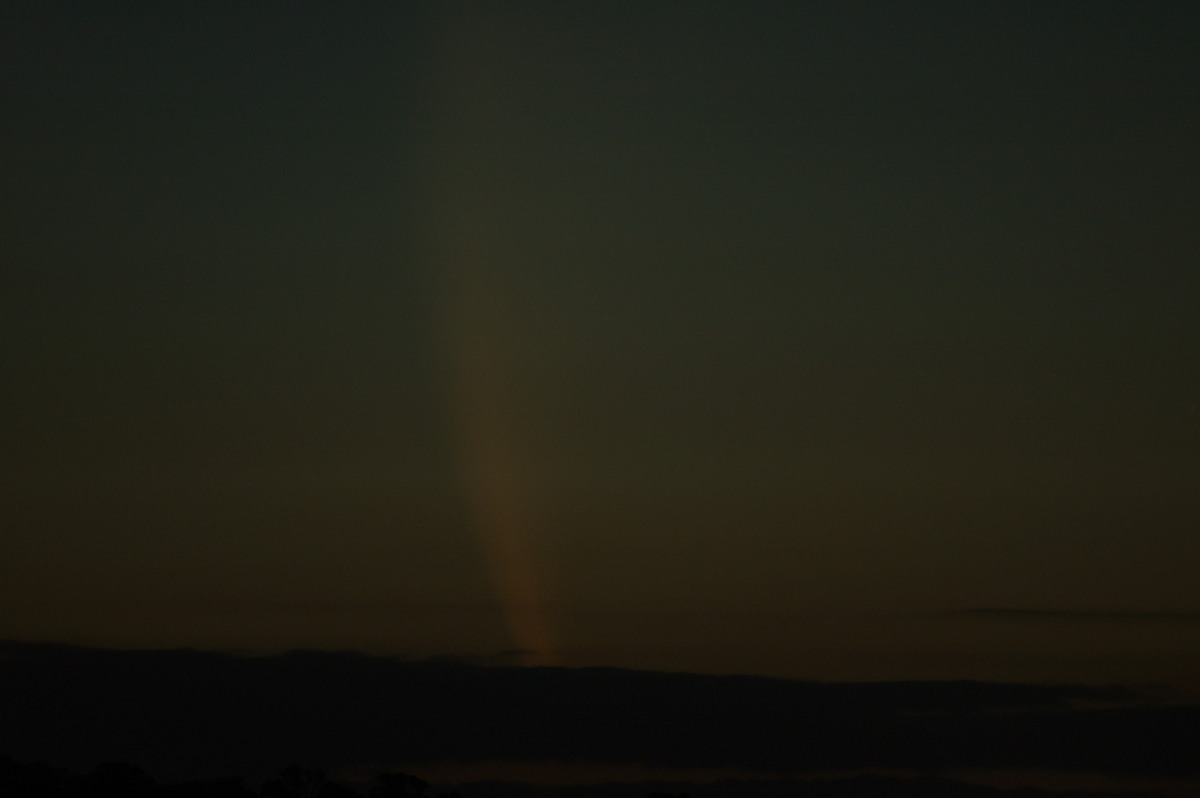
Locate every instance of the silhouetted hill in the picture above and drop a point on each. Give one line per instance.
(196, 714)
(857, 787)
(123, 780)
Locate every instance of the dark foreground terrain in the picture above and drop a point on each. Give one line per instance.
(122, 780)
(189, 720)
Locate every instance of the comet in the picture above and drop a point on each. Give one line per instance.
(467, 235)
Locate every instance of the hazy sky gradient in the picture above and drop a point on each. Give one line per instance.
(793, 328)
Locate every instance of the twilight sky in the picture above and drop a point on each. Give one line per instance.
(833, 340)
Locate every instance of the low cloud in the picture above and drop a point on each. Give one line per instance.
(1081, 616)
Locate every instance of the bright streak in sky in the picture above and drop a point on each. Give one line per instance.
(496, 486)
(477, 332)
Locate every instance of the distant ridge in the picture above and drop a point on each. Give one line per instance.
(186, 713)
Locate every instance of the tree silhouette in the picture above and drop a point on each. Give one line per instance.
(113, 780)
(227, 787)
(295, 782)
(31, 781)
(398, 785)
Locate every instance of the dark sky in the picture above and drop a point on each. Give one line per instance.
(781, 338)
